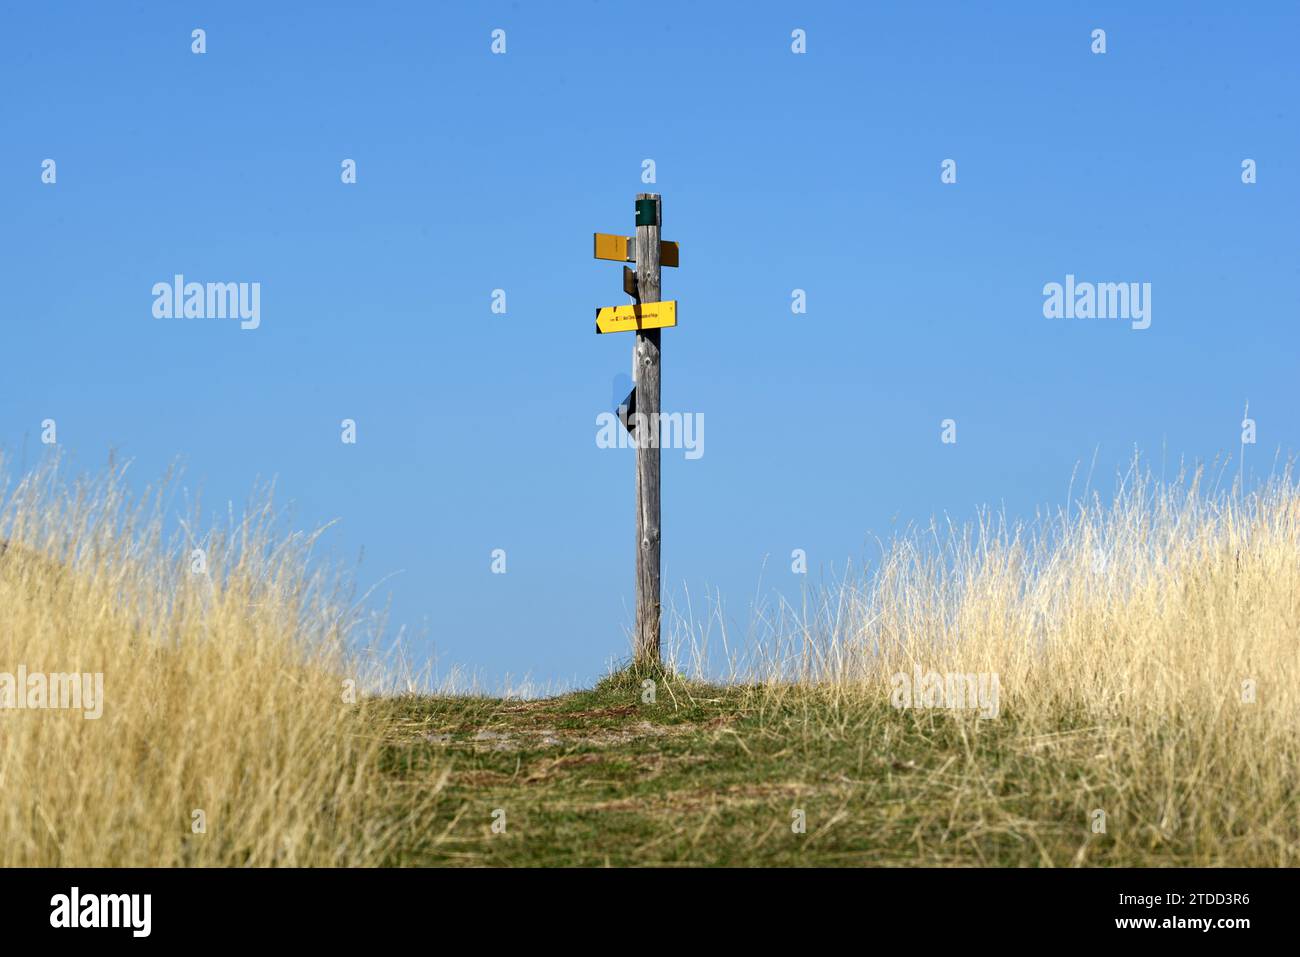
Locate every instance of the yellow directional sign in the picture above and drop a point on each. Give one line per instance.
(621, 249)
(617, 248)
(648, 315)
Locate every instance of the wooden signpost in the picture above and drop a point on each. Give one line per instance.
(645, 318)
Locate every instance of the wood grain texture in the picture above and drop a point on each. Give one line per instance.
(646, 360)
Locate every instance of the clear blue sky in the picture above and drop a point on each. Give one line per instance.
(779, 171)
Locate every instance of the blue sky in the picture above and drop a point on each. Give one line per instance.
(779, 171)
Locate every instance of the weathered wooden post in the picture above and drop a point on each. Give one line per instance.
(646, 361)
(647, 316)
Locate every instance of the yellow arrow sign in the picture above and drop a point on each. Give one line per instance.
(620, 249)
(617, 248)
(648, 315)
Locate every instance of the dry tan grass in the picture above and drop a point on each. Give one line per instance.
(1148, 655)
(223, 693)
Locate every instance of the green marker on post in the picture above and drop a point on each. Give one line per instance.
(645, 213)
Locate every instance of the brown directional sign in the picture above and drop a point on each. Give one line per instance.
(627, 411)
(620, 249)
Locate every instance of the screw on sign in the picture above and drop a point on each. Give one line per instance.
(644, 317)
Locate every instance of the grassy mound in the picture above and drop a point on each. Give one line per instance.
(1118, 685)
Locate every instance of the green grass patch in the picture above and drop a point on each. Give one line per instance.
(717, 776)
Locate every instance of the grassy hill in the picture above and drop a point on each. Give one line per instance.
(712, 775)
(1143, 654)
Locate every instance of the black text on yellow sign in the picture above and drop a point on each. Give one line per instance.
(647, 315)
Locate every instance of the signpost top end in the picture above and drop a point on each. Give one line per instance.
(649, 209)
